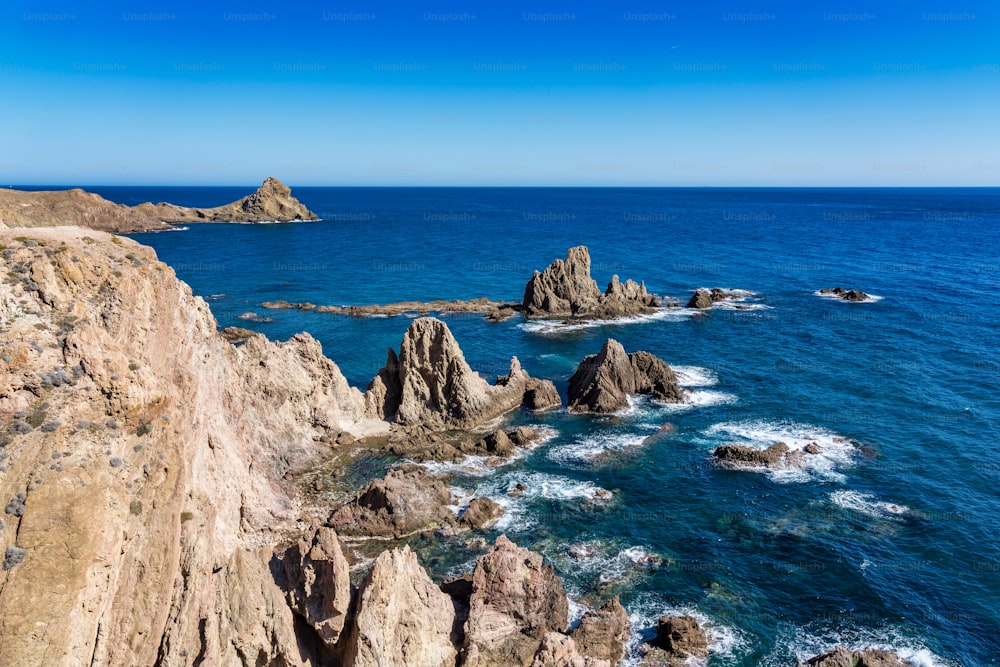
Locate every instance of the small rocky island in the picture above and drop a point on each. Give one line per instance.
(565, 289)
(851, 295)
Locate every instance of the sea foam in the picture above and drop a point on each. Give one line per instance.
(836, 451)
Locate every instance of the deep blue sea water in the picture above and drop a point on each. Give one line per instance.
(895, 543)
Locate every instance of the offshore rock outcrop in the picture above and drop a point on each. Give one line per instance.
(565, 289)
(852, 295)
(869, 657)
(52, 208)
(158, 518)
(430, 383)
(602, 382)
(271, 202)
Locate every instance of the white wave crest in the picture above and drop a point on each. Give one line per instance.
(695, 376)
(866, 503)
(555, 327)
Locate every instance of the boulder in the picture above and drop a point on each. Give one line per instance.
(318, 583)
(602, 382)
(565, 289)
(516, 600)
(841, 657)
(681, 637)
(402, 617)
(700, 299)
(705, 298)
(430, 383)
(603, 633)
(481, 514)
(558, 650)
(540, 395)
(407, 500)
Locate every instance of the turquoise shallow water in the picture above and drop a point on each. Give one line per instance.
(892, 542)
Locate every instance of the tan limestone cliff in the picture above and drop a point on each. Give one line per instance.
(151, 456)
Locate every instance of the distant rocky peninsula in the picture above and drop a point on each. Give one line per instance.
(271, 202)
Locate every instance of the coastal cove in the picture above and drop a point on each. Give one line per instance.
(781, 565)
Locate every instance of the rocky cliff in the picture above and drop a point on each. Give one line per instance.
(565, 289)
(147, 459)
(52, 208)
(271, 202)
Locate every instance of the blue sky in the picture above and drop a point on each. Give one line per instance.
(555, 92)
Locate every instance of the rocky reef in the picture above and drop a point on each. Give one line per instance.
(271, 202)
(706, 298)
(603, 382)
(565, 289)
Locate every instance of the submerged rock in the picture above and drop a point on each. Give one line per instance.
(565, 289)
(841, 657)
(516, 600)
(602, 382)
(777, 456)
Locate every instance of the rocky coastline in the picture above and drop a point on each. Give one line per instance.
(155, 470)
(271, 202)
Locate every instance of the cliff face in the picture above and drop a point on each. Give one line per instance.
(272, 202)
(71, 207)
(146, 456)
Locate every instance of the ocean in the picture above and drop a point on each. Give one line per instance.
(890, 538)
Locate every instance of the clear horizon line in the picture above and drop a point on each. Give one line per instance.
(17, 186)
